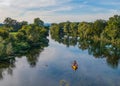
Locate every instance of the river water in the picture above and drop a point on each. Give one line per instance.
(52, 67)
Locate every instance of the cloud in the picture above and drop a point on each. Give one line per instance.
(65, 8)
(77, 18)
(58, 10)
(36, 3)
(4, 3)
(31, 9)
(112, 3)
(63, 18)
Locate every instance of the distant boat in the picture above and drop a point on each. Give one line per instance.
(74, 65)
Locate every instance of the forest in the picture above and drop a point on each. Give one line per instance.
(103, 30)
(18, 38)
(100, 37)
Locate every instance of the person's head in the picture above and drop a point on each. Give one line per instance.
(75, 61)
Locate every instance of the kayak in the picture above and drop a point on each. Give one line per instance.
(74, 67)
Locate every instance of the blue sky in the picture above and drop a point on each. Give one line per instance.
(59, 10)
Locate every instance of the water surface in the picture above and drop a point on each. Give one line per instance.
(52, 67)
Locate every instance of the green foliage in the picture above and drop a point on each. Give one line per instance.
(64, 28)
(12, 23)
(9, 49)
(67, 28)
(20, 36)
(31, 33)
(9, 29)
(112, 30)
(23, 36)
(18, 47)
(4, 33)
(74, 29)
(38, 22)
(1, 49)
(99, 26)
(85, 29)
(54, 29)
(99, 30)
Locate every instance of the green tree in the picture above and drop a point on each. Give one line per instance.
(112, 30)
(55, 29)
(9, 22)
(67, 28)
(85, 29)
(38, 22)
(99, 26)
(74, 28)
(4, 33)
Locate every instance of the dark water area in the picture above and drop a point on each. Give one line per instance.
(52, 67)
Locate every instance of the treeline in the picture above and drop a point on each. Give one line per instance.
(100, 38)
(107, 31)
(19, 37)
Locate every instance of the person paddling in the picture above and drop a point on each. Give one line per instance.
(74, 65)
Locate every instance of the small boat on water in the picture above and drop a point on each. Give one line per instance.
(74, 65)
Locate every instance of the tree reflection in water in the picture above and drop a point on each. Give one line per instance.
(7, 66)
(7, 63)
(64, 83)
(32, 56)
(99, 49)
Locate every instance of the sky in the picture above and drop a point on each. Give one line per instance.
(59, 10)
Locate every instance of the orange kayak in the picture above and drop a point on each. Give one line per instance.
(74, 67)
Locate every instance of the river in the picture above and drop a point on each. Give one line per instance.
(52, 67)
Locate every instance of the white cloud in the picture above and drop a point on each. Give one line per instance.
(18, 9)
(76, 18)
(63, 18)
(36, 3)
(32, 3)
(64, 8)
(53, 10)
(50, 16)
(110, 3)
(4, 3)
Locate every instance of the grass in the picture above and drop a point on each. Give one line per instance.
(13, 33)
